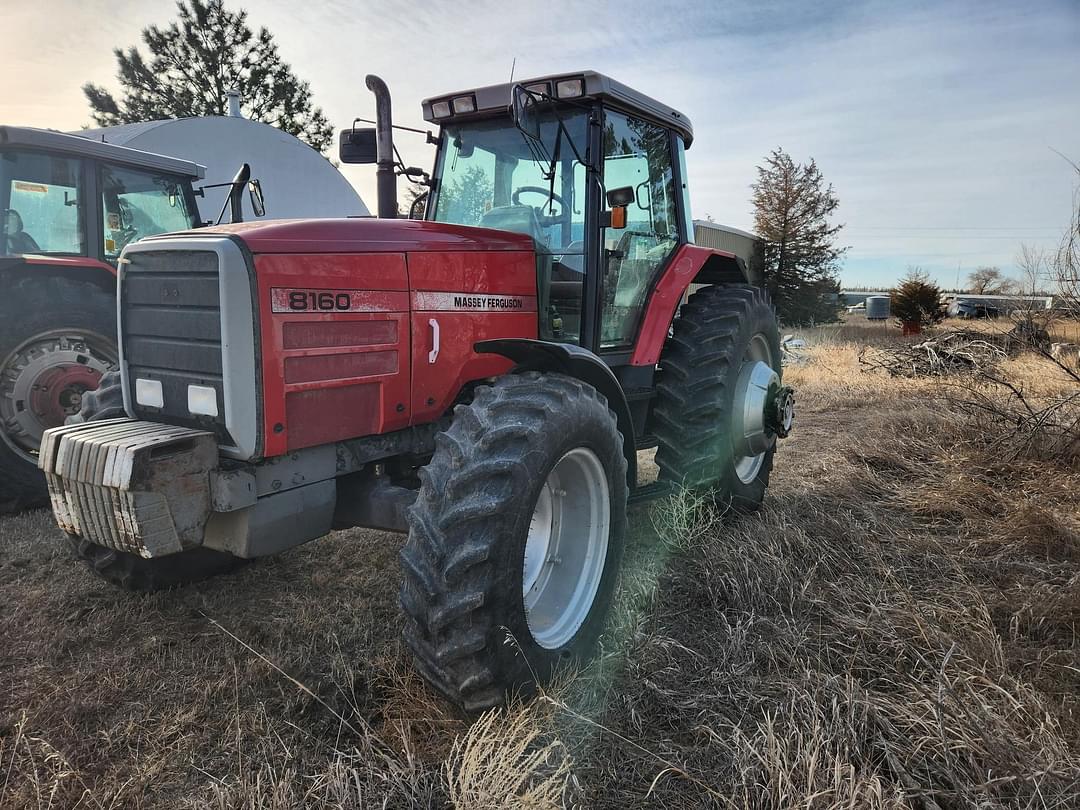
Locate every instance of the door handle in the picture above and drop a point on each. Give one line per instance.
(433, 355)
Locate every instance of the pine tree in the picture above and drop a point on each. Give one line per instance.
(800, 255)
(195, 61)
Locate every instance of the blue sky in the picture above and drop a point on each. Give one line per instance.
(935, 122)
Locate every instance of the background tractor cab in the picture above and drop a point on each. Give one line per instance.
(69, 206)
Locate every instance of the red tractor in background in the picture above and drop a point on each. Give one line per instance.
(70, 205)
(481, 379)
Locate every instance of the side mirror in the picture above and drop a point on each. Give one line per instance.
(255, 193)
(523, 110)
(357, 146)
(617, 200)
(621, 197)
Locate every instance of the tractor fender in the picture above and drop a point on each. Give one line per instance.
(691, 264)
(76, 268)
(574, 361)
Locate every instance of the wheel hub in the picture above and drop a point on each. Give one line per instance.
(752, 434)
(566, 548)
(780, 411)
(42, 383)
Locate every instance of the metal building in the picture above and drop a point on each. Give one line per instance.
(745, 245)
(297, 181)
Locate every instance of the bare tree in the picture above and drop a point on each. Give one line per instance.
(1066, 264)
(989, 281)
(1034, 263)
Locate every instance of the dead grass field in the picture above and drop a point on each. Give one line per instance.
(897, 628)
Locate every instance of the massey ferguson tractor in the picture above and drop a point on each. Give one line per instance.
(481, 380)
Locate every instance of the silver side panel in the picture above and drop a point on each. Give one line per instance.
(129, 485)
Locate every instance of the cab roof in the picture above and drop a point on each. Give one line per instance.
(597, 86)
(78, 145)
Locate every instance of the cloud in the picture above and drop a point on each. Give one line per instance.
(927, 118)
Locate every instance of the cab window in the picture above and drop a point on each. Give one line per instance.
(139, 203)
(41, 196)
(637, 154)
(492, 176)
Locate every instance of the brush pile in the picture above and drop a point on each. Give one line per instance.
(958, 351)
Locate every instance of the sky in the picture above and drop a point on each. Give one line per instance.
(936, 123)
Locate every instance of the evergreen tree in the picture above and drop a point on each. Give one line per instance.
(792, 206)
(195, 61)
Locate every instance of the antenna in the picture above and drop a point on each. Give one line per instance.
(512, 66)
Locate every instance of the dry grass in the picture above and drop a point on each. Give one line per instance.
(897, 628)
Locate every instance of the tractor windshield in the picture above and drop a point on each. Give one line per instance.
(492, 176)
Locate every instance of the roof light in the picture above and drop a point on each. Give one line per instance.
(570, 88)
(440, 109)
(464, 104)
(540, 89)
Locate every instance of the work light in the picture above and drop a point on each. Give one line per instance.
(464, 104)
(570, 88)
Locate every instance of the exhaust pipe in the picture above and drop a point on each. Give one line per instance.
(385, 177)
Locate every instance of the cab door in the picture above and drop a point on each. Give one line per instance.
(638, 154)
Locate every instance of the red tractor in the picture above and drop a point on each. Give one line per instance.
(481, 379)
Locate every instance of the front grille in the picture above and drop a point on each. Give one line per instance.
(171, 332)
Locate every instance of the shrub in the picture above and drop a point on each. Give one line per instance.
(917, 300)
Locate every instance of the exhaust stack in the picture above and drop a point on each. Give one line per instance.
(385, 177)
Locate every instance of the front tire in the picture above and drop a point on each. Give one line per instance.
(724, 343)
(517, 532)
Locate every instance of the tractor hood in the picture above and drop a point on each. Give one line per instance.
(367, 236)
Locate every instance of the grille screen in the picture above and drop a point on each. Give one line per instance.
(171, 329)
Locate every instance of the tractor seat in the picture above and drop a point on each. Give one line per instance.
(516, 218)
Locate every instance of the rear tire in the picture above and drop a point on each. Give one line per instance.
(122, 568)
(718, 331)
(57, 337)
(486, 538)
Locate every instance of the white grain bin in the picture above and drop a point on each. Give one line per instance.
(877, 308)
(296, 180)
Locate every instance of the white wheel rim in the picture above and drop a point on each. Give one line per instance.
(566, 548)
(751, 394)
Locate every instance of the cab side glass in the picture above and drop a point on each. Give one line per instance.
(637, 156)
(41, 199)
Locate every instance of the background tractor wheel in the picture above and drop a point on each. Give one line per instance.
(57, 337)
(122, 568)
(715, 375)
(517, 531)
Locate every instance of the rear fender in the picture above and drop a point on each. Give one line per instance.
(100, 274)
(574, 361)
(691, 264)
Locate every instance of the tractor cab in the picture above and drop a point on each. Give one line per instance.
(592, 170)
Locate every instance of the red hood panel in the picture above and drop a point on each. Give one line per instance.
(368, 235)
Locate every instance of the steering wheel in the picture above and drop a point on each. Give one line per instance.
(546, 220)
